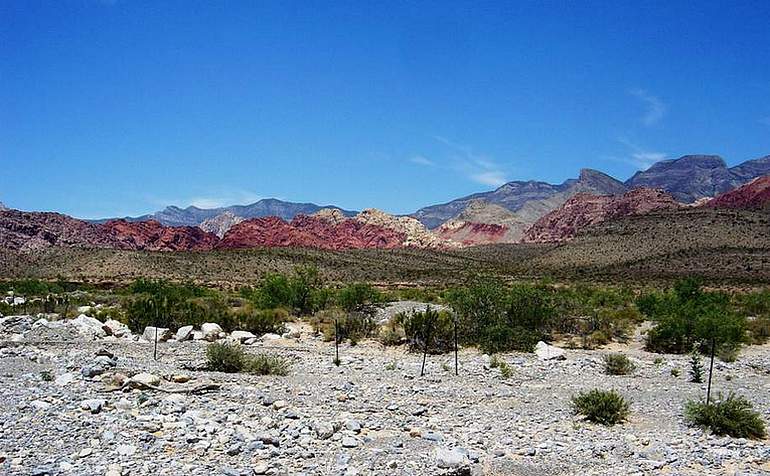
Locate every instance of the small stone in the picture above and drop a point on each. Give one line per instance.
(349, 442)
(93, 405)
(126, 450)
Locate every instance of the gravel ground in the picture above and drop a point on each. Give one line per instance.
(372, 415)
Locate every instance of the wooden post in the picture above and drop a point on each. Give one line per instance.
(711, 371)
(155, 351)
(336, 343)
(427, 340)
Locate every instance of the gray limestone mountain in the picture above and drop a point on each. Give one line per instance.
(692, 177)
(220, 223)
(525, 201)
(194, 216)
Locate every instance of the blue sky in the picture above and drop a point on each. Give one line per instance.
(122, 107)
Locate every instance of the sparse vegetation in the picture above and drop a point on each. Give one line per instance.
(696, 367)
(688, 316)
(618, 364)
(601, 406)
(231, 358)
(732, 415)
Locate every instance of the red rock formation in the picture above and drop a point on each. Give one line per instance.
(755, 195)
(310, 232)
(152, 236)
(586, 209)
(28, 231)
(470, 233)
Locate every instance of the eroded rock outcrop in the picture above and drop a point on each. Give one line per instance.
(755, 195)
(586, 209)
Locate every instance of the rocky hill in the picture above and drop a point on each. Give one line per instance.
(3, 207)
(585, 209)
(152, 236)
(415, 233)
(309, 232)
(755, 195)
(528, 208)
(29, 231)
(220, 223)
(692, 177)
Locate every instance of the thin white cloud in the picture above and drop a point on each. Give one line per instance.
(227, 198)
(479, 168)
(638, 156)
(655, 108)
(422, 160)
(492, 178)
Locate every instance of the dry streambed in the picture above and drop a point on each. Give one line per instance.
(371, 415)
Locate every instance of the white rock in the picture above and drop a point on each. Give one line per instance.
(242, 336)
(163, 334)
(450, 458)
(270, 336)
(145, 379)
(64, 379)
(84, 309)
(211, 331)
(548, 352)
(116, 328)
(184, 333)
(88, 326)
(197, 335)
(126, 450)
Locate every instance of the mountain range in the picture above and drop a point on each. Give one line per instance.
(517, 212)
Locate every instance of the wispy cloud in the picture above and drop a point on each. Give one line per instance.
(493, 178)
(638, 156)
(227, 198)
(422, 160)
(476, 167)
(655, 109)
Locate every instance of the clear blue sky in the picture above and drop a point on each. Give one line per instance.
(114, 107)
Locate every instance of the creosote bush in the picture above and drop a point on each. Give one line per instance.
(264, 364)
(224, 357)
(436, 328)
(733, 416)
(618, 364)
(601, 406)
(263, 321)
(231, 358)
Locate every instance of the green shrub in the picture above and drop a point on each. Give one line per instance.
(264, 364)
(687, 316)
(503, 338)
(601, 406)
(391, 334)
(733, 416)
(431, 326)
(359, 297)
(696, 367)
(759, 330)
(225, 357)
(618, 364)
(263, 321)
(350, 326)
(231, 358)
